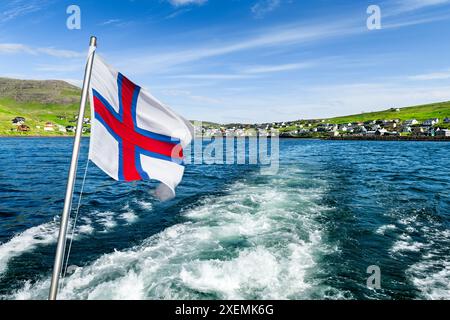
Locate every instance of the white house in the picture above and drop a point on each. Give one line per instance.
(49, 127)
(431, 122)
(406, 129)
(334, 133)
(18, 121)
(376, 127)
(381, 132)
(411, 122)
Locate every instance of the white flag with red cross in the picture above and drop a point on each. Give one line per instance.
(133, 135)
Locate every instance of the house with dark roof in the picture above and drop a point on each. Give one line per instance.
(18, 121)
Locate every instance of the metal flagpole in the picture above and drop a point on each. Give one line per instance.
(72, 175)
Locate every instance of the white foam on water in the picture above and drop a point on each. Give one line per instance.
(145, 205)
(106, 219)
(85, 229)
(26, 241)
(258, 241)
(129, 216)
(431, 275)
(47, 233)
(405, 246)
(383, 229)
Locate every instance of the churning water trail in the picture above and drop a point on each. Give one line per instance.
(259, 240)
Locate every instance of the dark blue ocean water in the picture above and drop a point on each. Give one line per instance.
(309, 232)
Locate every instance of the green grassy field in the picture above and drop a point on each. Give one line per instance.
(439, 110)
(36, 115)
(420, 113)
(38, 102)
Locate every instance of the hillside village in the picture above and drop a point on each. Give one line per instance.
(433, 127)
(19, 124)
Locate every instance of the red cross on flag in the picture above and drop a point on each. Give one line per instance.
(133, 135)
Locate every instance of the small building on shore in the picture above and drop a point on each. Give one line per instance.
(431, 122)
(23, 128)
(410, 122)
(18, 121)
(443, 133)
(406, 129)
(49, 126)
(381, 132)
(61, 128)
(70, 129)
(418, 130)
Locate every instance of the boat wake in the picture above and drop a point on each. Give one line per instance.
(260, 240)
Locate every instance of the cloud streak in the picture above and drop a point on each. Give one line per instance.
(286, 35)
(277, 68)
(179, 3)
(411, 5)
(17, 48)
(263, 7)
(19, 8)
(431, 76)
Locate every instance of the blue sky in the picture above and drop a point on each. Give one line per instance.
(243, 60)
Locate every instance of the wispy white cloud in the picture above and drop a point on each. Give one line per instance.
(109, 22)
(411, 5)
(431, 76)
(8, 48)
(246, 72)
(262, 7)
(213, 76)
(14, 48)
(285, 35)
(177, 13)
(190, 95)
(279, 37)
(416, 21)
(58, 53)
(18, 8)
(277, 68)
(65, 68)
(178, 3)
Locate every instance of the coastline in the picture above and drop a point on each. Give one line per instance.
(348, 138)
(389, 138)
(39, 136)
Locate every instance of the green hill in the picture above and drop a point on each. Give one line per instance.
(38, 102)
(420, 113)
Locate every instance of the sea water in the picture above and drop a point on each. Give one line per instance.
(310, 231)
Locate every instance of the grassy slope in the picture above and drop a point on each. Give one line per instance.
(36, 114)
(421, 113)
(38, 102)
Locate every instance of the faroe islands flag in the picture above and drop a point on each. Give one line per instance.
(133, 135)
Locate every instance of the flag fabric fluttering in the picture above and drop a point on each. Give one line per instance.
(133, 135)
